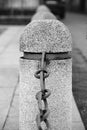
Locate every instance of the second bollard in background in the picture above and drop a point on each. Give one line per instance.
(52, 37)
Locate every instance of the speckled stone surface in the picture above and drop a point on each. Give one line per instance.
(59, 81)
(43, 8)
(43, 16)
(45, 35)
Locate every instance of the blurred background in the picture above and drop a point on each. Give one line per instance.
(21, 10)
(14, 15)
(74, 5)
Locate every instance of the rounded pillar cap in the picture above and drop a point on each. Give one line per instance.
(46, 35)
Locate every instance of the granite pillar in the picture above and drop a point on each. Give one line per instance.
(51, 36)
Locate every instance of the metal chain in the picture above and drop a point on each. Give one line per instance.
(42, 95)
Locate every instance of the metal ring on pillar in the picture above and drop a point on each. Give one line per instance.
(49, 55)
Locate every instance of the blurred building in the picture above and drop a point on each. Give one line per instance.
(74, 5)
(30, 4)
(21, 11)
(77, 5)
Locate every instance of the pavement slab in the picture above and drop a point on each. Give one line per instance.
(12, 122)
(5, 99)
(8, 77)
(77, 24)
(8, 83)
(7, 37)
(9, 71)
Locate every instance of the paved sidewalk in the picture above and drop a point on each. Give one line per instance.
(9, 73)
(77, 24)
(9, 79)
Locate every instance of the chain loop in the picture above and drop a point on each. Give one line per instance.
(37, 74)
(42, 95)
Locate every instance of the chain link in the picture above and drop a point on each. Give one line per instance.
(42, 95)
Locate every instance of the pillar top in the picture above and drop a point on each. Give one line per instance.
(45, 35)
(43, 8)
(44, 15)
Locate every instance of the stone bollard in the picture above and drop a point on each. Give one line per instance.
(43, 16)
(43, 8)
(52, 37)
(30, 4)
